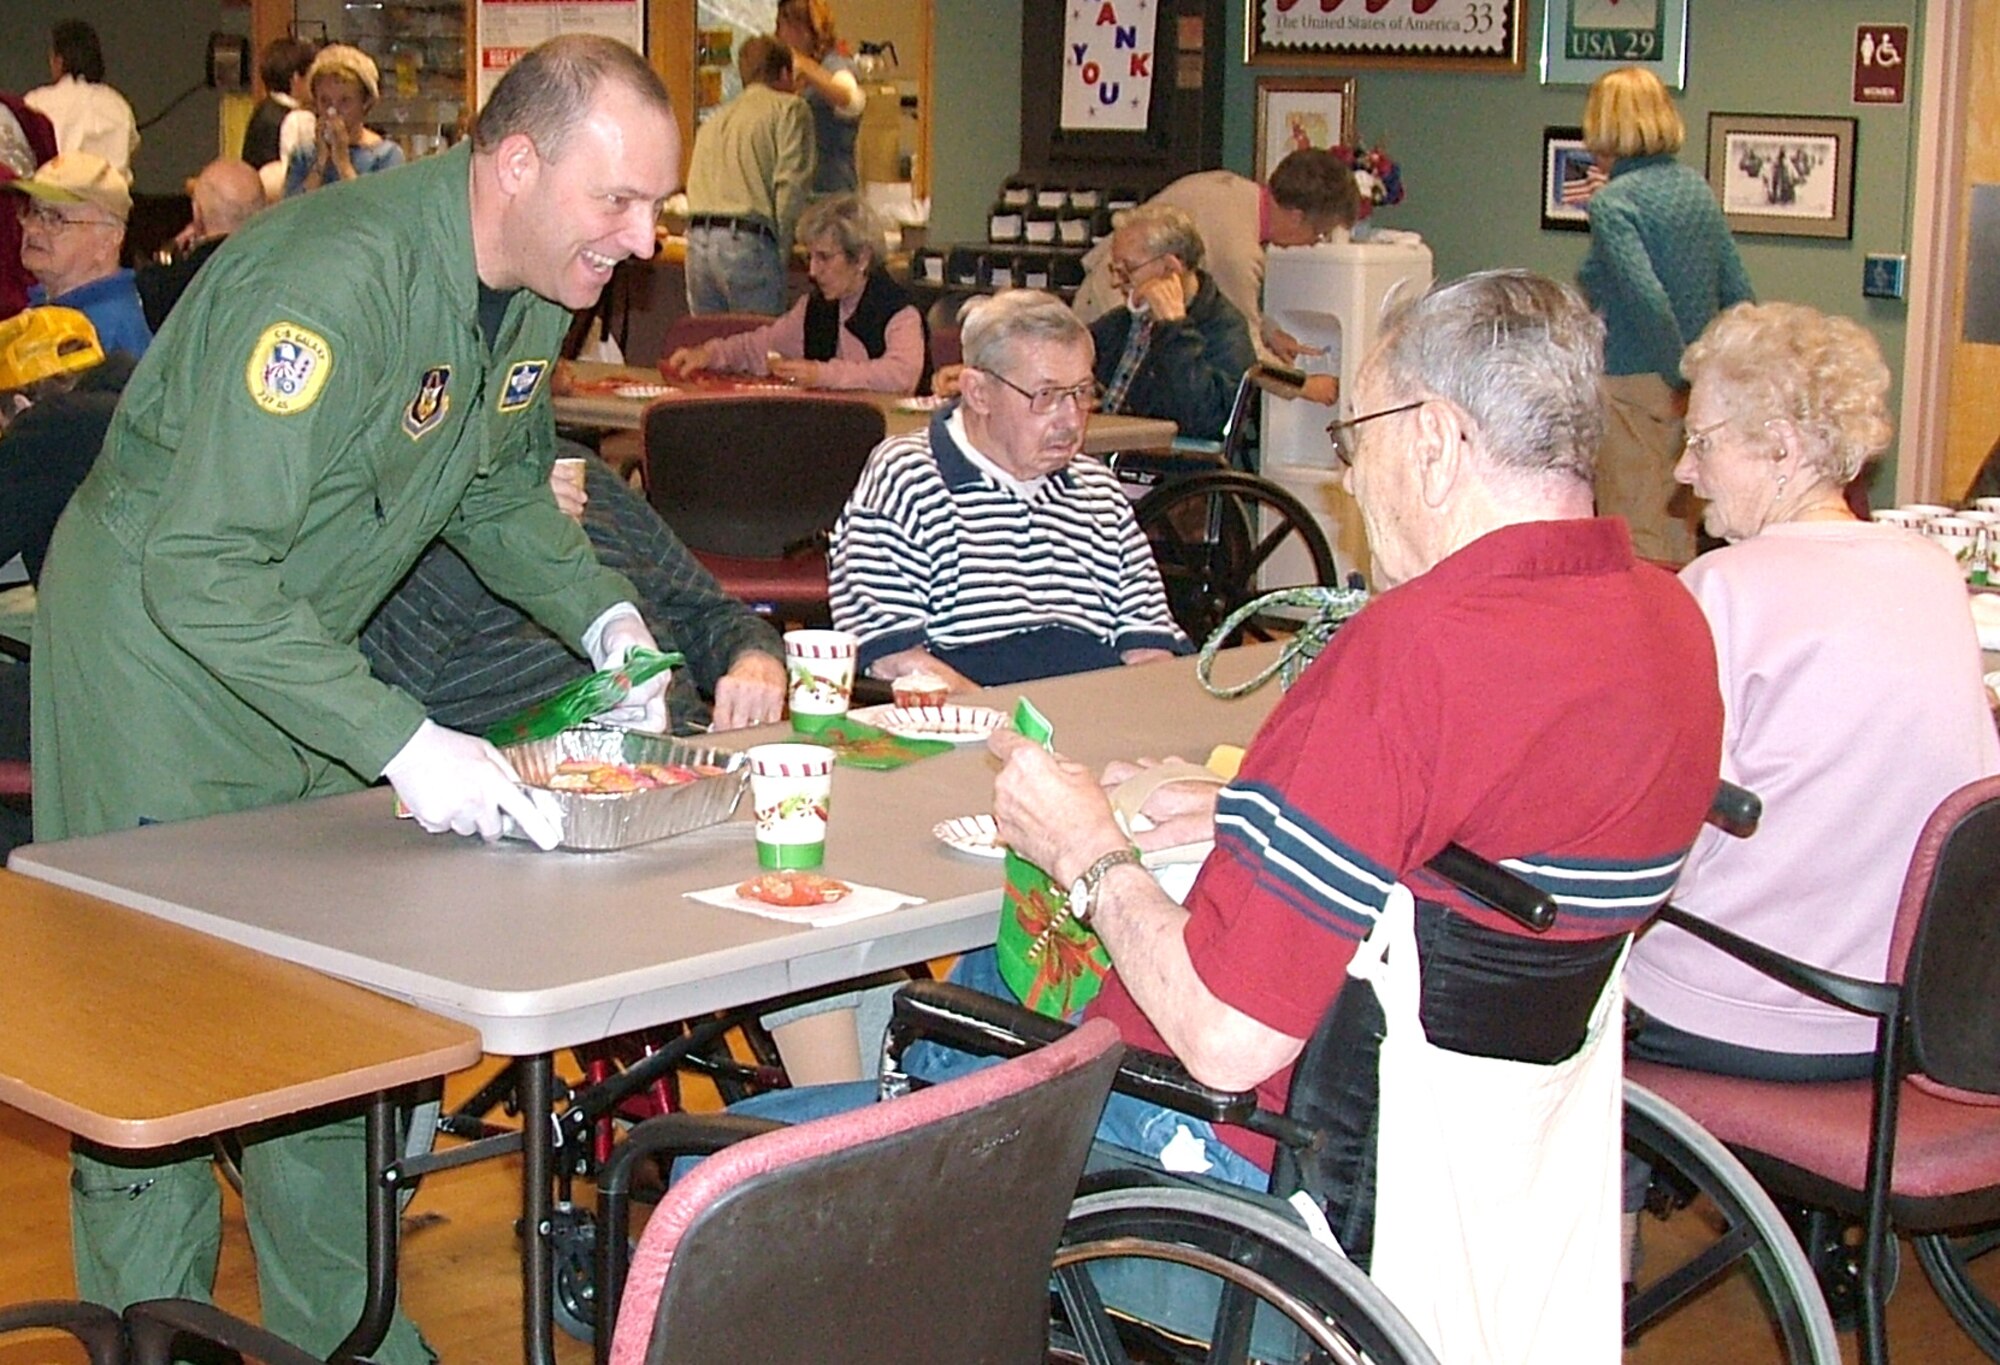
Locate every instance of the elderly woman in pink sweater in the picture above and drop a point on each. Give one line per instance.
(1851, 694)
(856, 330)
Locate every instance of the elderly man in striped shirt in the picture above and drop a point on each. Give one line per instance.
(981, 549)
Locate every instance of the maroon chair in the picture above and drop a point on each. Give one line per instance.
(918, 1229)
(694, 329)
(753, 482)
(16, 777)
(1917, 1149)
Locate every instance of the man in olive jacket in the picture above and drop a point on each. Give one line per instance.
(352, 375)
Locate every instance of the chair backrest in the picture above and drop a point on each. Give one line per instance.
(755, 474)
(1946, 945)
(694, 329)
(916, 1229)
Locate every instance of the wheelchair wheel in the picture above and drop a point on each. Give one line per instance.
(1248, 1284)
(1713, 1239)
(418, 1124)
(1947, 1262)
(1212, 533)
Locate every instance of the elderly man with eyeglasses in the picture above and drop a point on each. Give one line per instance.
(73, 211)
(981, 550)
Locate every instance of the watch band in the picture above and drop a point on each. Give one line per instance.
(1083, 892)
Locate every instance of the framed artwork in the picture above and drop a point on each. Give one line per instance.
(1783, 176)
(1294, 113)
(1583, 39)
(1570, 175)
(1434, 35)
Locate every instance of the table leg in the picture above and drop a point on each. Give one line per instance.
(383, 1213)
(537, 1100)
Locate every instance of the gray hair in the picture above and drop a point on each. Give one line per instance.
(1786, 362)
(993, 329)
(849, 221)
(1519, 354)
(549, 92)
(1164, 230)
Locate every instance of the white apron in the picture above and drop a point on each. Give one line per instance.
(1497, 1182)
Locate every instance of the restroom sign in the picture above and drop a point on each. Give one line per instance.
(1881, 63)
(1108, 64)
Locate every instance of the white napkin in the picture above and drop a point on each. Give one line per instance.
(1986, 618)
(859, 903)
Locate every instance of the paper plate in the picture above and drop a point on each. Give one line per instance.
(643, 390)
(953, 724)
(973, 834)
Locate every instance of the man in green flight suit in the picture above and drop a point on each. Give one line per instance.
(352, 375)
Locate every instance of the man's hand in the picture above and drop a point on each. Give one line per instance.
(917, 659)
(752, 692)
(566, 482)
(1283, 345)
(1144, 656)
(458, 782)
(944, 380)
(687, 360)
(807, 374)
(645, 708)
(1162, 297)
(1181, 812)
(1050, 809)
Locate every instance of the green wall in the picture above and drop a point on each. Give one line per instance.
(976, 126)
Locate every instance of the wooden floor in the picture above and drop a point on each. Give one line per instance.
(461, 1268)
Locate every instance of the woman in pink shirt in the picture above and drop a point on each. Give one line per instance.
(1851, 695)
(857, 330)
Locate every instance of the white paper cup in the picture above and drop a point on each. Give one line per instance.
(1904, 517)
(1986, 505)
(791, 786)
(1959, 536)
(1928, 510)
(820, 666)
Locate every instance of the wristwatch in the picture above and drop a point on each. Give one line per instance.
(1083, 891)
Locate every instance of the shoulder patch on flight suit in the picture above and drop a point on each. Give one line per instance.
(430, 405)
(522, 379)
(288, 367)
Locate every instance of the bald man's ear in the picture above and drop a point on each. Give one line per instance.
(516, 163)
(1440, 450)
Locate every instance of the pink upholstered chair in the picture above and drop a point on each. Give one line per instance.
(1918, 1148)
(917, 1229)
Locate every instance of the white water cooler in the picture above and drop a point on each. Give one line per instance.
(1331, 296)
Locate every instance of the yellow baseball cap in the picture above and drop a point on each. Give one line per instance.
(39, 342)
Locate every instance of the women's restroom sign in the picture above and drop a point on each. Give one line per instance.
(1881, 63)
(1108, 65)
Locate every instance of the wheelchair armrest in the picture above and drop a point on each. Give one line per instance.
(677, 1135)
(975, 1022)
(1877, 999)
(156, 1327)
(1512, 896)
(1736, 810)
(101, 1331)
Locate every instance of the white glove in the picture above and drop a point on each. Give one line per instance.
(459, 782)
(612, 636)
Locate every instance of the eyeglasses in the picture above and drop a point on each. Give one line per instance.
(1042, 402)
(1122, 275)
(1702, 439)
(1341, 433)
(49, 216)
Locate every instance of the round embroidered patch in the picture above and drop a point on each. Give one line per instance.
(288, 366)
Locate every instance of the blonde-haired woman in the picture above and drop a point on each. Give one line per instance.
(345, 85)
(1851, 698)
(1661, 265)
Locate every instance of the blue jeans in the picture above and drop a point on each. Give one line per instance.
(731, 270)
(1133, 1124)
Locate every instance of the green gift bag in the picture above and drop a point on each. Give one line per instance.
(1054, 964)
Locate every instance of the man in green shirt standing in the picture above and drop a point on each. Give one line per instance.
(352, 375)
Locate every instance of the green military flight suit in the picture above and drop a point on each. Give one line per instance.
(317, 409)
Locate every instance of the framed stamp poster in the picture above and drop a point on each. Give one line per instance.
(1783, 176)
(1583, 39)
(1570, 175)
(1447, 35)
(1295, 113)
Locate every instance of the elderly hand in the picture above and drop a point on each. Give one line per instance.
(687, 360)
(1162, 297)
(1283, 344)
(566, 482)
(944, 380)
(752, 692)
(1181, 812)
(1050, 809)
(806, 374)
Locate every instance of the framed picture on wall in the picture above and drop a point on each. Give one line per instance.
(1465, 35)
(1570, 175)
(1583, 39)
(1298, 112)
(1783, 176)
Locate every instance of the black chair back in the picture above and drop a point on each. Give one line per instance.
(1950, 955)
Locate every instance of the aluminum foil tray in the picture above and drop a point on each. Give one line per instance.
(593, 822)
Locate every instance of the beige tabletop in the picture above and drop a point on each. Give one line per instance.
(542, 951)
(1105, 433)
(112, 1025)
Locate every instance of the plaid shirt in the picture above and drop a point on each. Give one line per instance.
(1136, 342)
(472, 659)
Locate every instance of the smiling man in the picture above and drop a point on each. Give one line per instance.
(981, 549)
(351, 376)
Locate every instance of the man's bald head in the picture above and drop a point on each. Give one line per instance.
(225, 194)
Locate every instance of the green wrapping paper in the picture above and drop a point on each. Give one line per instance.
(857, 745)
(1054, 964)
(582, 700)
